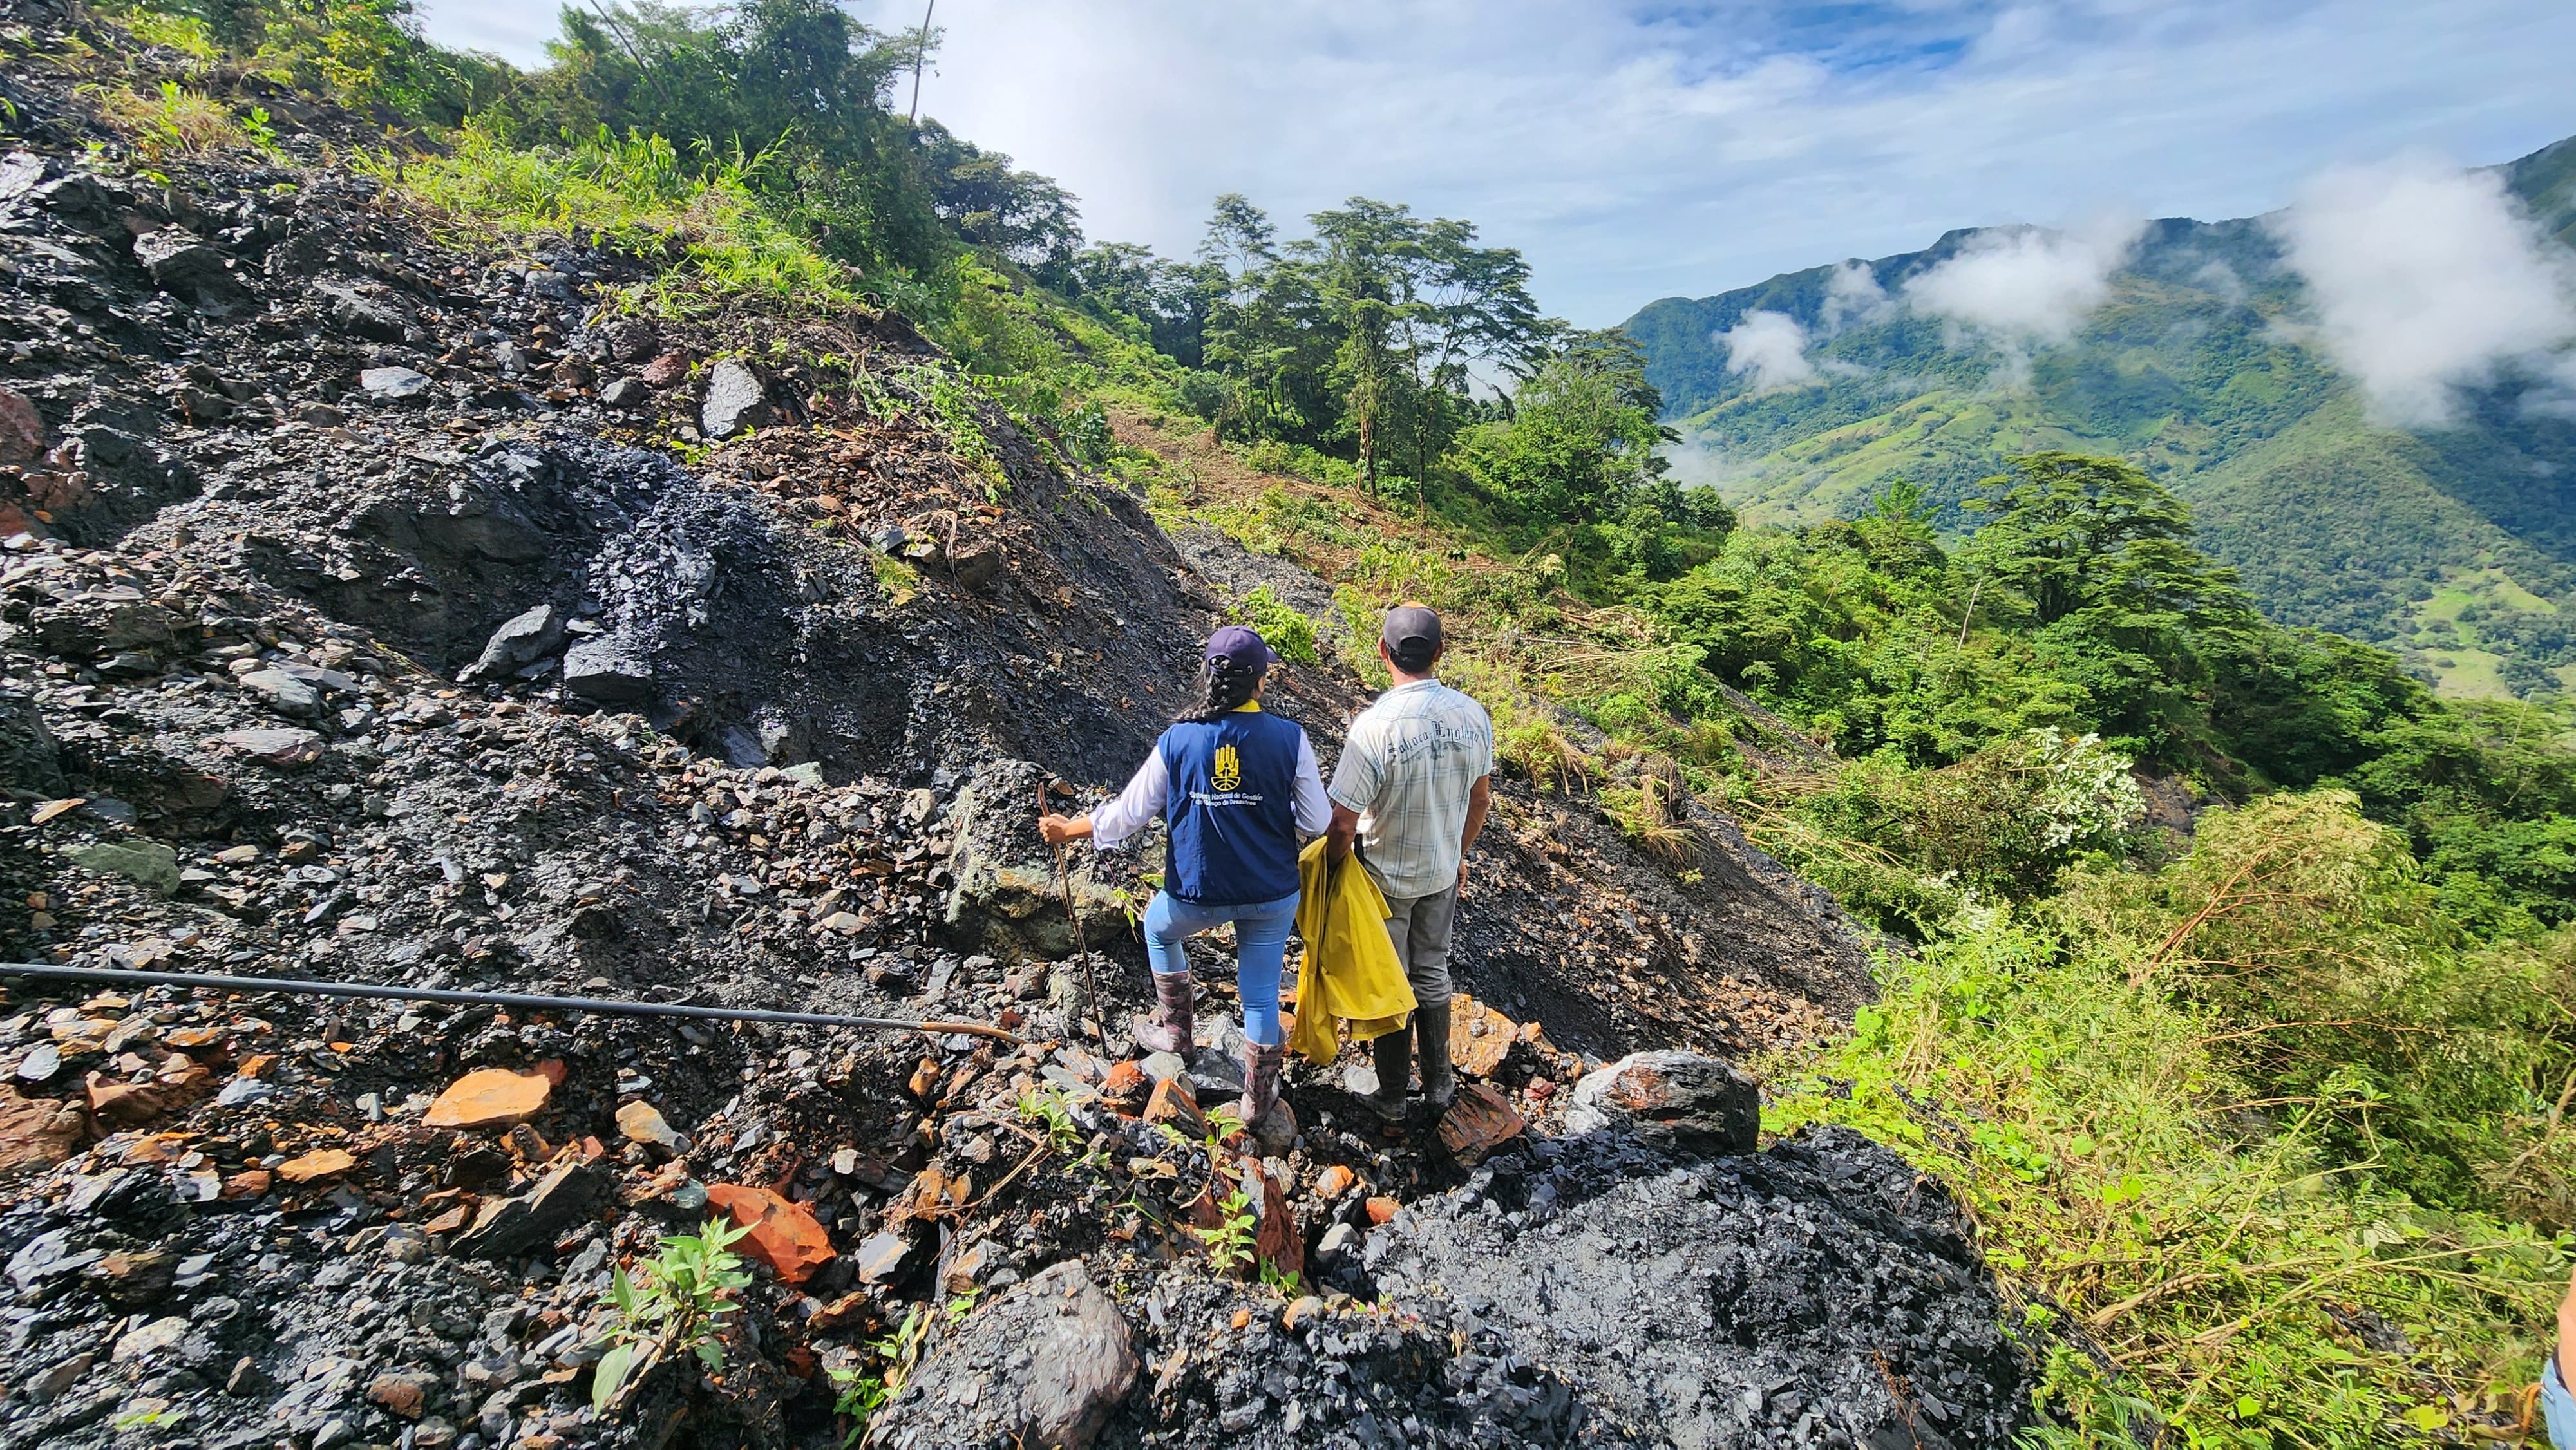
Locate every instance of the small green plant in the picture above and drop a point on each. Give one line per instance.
(671, 1306)
(1229, 1244)
(1049, 1107)
(1280, 626)
(260, 130)
(859, 1395)
(898, 579)
(1223, 1122)
(1273, 1277)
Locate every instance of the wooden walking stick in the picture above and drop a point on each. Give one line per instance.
(1081, 939)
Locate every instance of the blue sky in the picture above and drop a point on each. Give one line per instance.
(1637, 151)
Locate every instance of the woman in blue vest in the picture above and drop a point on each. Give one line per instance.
(1235, 786)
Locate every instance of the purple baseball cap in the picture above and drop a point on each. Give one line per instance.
(1242, 647)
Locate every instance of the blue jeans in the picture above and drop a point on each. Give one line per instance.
(2557, 1408)
(1260, 945)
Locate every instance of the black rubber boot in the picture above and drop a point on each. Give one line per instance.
(1439, 1078)
(1171, 1027)
(1393, 1054)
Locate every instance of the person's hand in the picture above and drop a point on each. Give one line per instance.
(1462, 878)
(1060, 829)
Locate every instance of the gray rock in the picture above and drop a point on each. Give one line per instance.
(29, 760)
(191, 271)
(146, 862)
(284, 693)
(283, 749)
(632, 340)
(363, 317)
(735, 400)
(1162, 1066)
(511, 1226)
(608, 669)
(528, 636)
(393, 384)
(1045, 1364)
(320, 415)
(1006, 901)
(151, 1341)
(1677, 1100)
(625, 393)
(884, 1257)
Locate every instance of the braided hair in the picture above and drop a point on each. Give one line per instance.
(1223, 687)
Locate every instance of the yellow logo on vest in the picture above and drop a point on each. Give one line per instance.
(1229, 769)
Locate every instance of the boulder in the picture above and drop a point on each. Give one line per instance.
(29, 760)
(148, 863)
(284, 693)
(1043, 1365)
(362, 317)
(666, 369)
(608, 669)
(394, 385)
(1006, 900)
(736, 400)
(508, 1227)
(525, 638)
(1479, 1120)
(22, 429)
(191, 271)
(1675, 1100)
(632, 339)
(625, 393)
(281, 749)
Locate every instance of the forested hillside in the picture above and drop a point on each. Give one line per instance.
(2451, 544)
(2222, 968)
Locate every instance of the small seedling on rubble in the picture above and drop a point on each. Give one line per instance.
(1050, 1107)
(671, 1306)
(1223, 1123)
(1273, 1277)
(1230, 1242)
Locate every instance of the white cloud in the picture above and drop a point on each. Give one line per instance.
(2022, 285)
(1853, 298)
(1772, 347)
(1637, 151)
(2424, 279)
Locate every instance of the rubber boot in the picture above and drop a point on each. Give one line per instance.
(1260, 1081)
(1393, 1054)
(1439, 1078)
(1173, 1023)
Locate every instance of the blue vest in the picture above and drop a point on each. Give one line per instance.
(1232, 809)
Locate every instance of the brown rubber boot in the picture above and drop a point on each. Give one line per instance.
(1439, 1078)
(1171, 1027)
(1393, 1054)
(1260, 1081)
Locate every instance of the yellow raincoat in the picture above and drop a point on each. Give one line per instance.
(1350, 972)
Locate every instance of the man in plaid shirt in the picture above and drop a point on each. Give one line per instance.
(1411, 790)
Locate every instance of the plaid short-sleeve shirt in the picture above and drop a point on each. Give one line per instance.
(1407, 767)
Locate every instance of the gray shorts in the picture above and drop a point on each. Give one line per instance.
(1419, 927)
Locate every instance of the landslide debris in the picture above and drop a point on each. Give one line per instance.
(375, 608)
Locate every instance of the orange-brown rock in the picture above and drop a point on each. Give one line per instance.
(491, 1098)
(1480, 1121)
(1276, 1243)
(124, 1104)
(249, 1183)
(1126, 1087)
(784, 1235)
(320, 1163)
(1479, 1037)
(1335, 1181)
(38, 1131)
(1175, 1102)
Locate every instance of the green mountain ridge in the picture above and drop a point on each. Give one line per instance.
(2455, 546)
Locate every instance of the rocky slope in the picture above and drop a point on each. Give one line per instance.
(380, 609)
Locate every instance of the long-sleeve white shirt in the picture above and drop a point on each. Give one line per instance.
(1115, 822)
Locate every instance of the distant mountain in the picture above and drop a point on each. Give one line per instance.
(2455, 545)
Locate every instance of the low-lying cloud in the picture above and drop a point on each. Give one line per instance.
(1770, 346)
(2022, 285)
(2425, 279)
